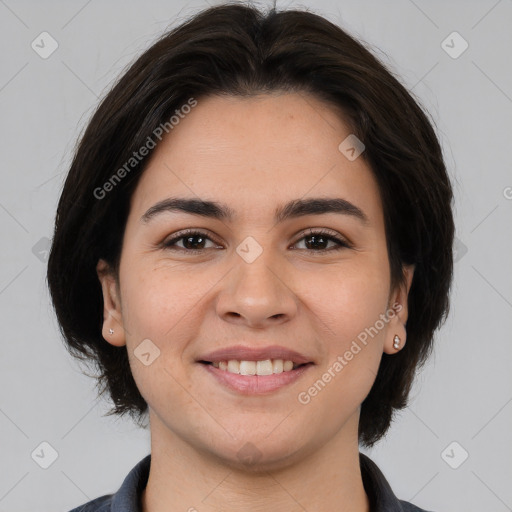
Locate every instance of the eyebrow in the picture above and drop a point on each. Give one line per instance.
(292, 209)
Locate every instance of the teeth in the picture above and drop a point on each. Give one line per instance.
(247, 367)
(266, 367)
(234, 366)
(277, 366)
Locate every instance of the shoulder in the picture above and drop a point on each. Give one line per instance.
(381, 496)
(126, 499)
(409, 507)
(101, 504)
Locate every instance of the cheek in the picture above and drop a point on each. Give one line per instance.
(346, 299)
(345, 307)
(159, 301)
(159, 305)
(345, 304)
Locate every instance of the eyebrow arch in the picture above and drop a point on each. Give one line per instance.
(292, 209)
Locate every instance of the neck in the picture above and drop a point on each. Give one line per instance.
(183, 478)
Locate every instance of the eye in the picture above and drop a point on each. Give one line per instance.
(191, 239)
(194, 241)
(321, 237)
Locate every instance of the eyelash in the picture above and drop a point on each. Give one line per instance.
(343, 244)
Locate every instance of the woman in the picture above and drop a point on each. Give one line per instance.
(254, 244)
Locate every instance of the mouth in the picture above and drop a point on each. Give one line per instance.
(262, 377)
(263, 367)
(251, 370)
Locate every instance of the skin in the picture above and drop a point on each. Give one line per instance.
(254, 154)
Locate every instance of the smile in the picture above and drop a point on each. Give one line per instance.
(255, 377)
(265, 367)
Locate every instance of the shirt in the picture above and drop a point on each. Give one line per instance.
(128, 497)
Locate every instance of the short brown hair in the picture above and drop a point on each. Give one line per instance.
(237, 50)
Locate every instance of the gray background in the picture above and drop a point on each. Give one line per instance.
(463, 394)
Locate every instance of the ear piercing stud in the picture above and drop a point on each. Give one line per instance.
(396, 342)
(111, 331)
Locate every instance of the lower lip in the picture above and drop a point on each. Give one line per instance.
(256, 384)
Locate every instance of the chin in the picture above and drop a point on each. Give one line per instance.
(258, 455)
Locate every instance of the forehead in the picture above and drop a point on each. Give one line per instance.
(260, 151)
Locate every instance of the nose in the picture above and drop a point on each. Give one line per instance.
(257, 295)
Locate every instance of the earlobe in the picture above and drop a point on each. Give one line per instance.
(396, 334)
(113, 330)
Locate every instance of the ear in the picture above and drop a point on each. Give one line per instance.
(113, 330)
(398, 313)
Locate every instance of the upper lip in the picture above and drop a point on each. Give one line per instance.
(246, 353)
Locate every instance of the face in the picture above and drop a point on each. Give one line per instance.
(303, 286)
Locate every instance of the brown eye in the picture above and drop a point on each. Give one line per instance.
(193, 241)
(317, 240)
